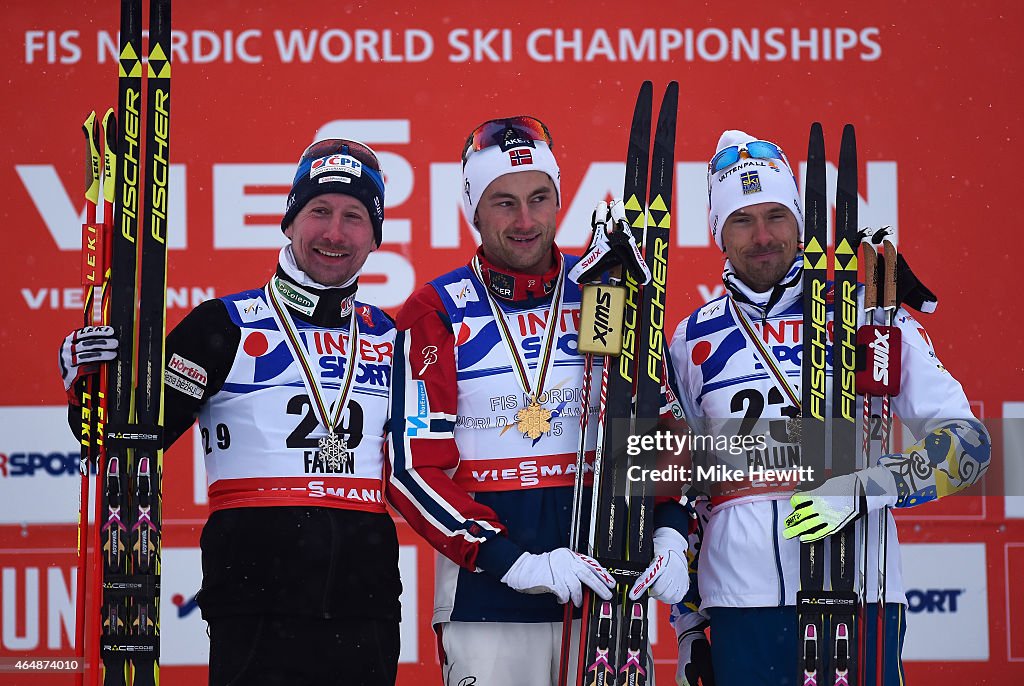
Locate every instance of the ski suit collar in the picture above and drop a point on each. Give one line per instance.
(331, 305)
(517, 288)
(781, 296)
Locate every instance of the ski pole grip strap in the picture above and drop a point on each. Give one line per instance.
(135, 436)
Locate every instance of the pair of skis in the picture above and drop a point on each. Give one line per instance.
(616, 525)
(844, 606)
(124, 412)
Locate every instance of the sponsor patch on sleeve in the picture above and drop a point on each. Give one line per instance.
(188, 370)
(462, 292)
(715, 308)
(180, 383)
(251, 310)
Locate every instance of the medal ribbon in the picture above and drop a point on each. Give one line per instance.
(766, 357)
(547, 351)
(298, 351)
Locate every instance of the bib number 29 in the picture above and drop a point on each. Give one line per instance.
(350, 427)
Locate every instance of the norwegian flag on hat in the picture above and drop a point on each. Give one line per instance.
(519, 156)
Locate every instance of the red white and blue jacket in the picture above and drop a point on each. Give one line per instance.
(462, 474)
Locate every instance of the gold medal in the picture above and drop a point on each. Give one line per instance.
(334, 450)
(533, 420)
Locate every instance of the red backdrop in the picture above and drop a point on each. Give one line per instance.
(933, 95)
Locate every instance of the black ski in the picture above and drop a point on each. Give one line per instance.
(148, 464)
(116, 583)
(844, 626)
(600, 642)
(649, 380)
(839, 602)
(810, 617)
(621, 517)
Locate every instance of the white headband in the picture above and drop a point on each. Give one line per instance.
(484, 166)
(749, 182)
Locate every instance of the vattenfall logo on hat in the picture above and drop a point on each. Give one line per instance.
(336, 163)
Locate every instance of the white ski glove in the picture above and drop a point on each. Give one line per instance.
(611, 245)
(693, 666)
(561, 572)
(837, 502)
(82, 349)
(668, 576)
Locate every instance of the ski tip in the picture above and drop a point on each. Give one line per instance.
(816, 147)
(848, 145)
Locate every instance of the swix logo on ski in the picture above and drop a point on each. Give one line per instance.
(27, 464)
(188, 369)
(932, 600)
(336, 163)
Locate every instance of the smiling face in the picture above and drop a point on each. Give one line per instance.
(761, 242)
(331, 237)
(516, 220)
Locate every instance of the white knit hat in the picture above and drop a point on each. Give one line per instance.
(484, 166)
(749, 181)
